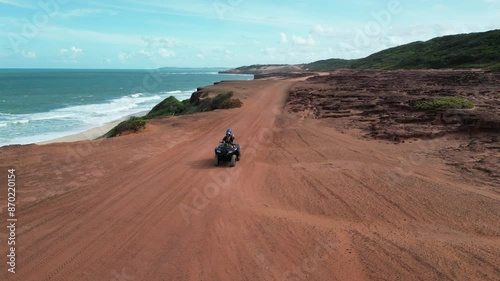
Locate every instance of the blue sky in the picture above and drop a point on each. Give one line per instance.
(226, 33)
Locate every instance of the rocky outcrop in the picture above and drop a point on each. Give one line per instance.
(379, 103)
(196, 96)
(200, 93)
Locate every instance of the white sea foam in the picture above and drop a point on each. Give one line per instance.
(174, 92)
(61, 122)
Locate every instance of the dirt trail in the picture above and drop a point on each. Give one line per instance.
(305, 203)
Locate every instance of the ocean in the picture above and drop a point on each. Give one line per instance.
(43, 104)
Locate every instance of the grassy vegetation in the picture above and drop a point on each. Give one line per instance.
(258, 66)
(474, 50)
(221, 101)
(443, 103)
(495, 67)
(169, 106)
(133, 124)
(329, 64)
(172, 106)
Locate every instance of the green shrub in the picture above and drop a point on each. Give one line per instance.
(189, 108)
(221, 101)
(169, 106)
(172, 106)
(443, 103)
(133, 124)
(231, 103)
(494, 68)
(205, 105)
(225, 101)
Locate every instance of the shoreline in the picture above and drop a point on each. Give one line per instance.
(93, 133)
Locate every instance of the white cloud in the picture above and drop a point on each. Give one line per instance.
(145, 53)
(165, 53)
(161, 52)
(299, 40)
(53, 32)
(85, 12)
(268, 51)
(70, 55)
(163, 42)
(227, 10)
(322, 30)
(203, 54)
(76, 50)
(17, 3)
(284, 38)
(123, 57)
(217, 54)
(73, 51)
(28, 55)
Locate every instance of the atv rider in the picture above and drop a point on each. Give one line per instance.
(229, 137)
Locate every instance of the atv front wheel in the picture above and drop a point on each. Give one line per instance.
(216, 160)
(233, 160)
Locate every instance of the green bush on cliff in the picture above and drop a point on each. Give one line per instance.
(494, 68)
(169, 106)
(172, 106)
(225, 101)
(231, 103)
(443, 103)
(189, 108)
(221, 101)
(133, 124)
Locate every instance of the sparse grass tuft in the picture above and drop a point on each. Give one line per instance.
(443, 103)
(133, 124)
(169, 106)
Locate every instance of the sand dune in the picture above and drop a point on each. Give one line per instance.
(306, 202)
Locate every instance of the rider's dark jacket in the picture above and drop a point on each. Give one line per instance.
(228, 139)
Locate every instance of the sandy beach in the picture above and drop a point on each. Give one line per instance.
(307, 201)
(91, 134)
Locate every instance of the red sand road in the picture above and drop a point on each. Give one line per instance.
(305, 203)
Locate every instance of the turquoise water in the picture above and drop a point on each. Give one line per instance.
(38, 104)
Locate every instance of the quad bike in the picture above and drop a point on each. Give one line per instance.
(227, 152)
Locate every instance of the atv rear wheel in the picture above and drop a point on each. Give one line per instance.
(216, 160)
(233, 160)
